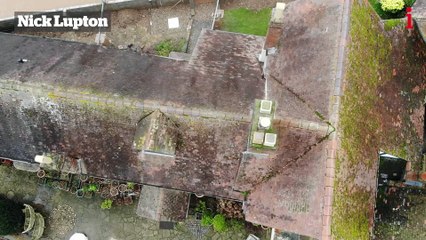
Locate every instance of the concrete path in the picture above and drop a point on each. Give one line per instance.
(66, 214)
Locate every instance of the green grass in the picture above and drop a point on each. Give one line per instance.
(165, 47)
(392, 23)
(368, 57)
(388, 15)
(247, 21)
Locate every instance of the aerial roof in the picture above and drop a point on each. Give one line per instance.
(75, 101)
(86, 102)
(153, 79)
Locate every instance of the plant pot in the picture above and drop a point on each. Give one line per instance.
(264, 228)
(41, 173)
(63, 185)
(198, 195)
(114, 183)
(119, 201)
(89, 194)
(65, 176)
(113, 191)
(105, 195)
(84, 177)
(55, 184)
(128, 200)
(73, 189)
(122, 188)
(79, 193)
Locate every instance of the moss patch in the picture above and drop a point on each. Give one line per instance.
(351, 205)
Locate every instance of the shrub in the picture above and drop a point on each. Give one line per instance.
(11, 217)
(392, 5)
(90, 188)
(130, 185)
(219, 223)
(106, 204)
(206, 220)
(236, 225)
(165, 47)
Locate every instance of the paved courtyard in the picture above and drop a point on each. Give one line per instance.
(66, 214)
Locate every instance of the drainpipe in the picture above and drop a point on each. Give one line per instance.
(215, 13)
(273, 234)
(102, 15)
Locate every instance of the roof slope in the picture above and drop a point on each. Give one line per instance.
(147, 78)
(78, 101)
(301, 73)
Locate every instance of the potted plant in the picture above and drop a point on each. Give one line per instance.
(41, 173)
(84, 177)
(106, 204)
(80, 193)
(122, 188)
(131, 186)
(114, 183)
(127, 200)
(113, 191)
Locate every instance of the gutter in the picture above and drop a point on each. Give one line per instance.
(215, 13)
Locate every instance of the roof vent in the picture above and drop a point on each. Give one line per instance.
(264, 122)
(43, 159)
(173, 22)
(266, 106)
(258, 137)
(270, 139)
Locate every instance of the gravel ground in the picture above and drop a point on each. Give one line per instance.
(160, 18)
(203, 19)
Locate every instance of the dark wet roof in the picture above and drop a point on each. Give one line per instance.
(206, 161)
(35, 120)
(202, 84)
(286, 189)
(162, 204)
(301, 74)
(211, 154)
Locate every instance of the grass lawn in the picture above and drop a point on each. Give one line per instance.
(368, 54)
(246, 21)
(387, 15)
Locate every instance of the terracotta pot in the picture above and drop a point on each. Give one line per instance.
(41, 173)
(423, 176)
(122, 188)
(113, 191)
(128, 200)
(114, 183)
(84, 178)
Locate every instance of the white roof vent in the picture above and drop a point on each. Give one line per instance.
(264, 122)
(258, 137)
(280, 6)
(43, 159)
(262, 56)
(270, 139)
(266, 106)
(173, 23)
